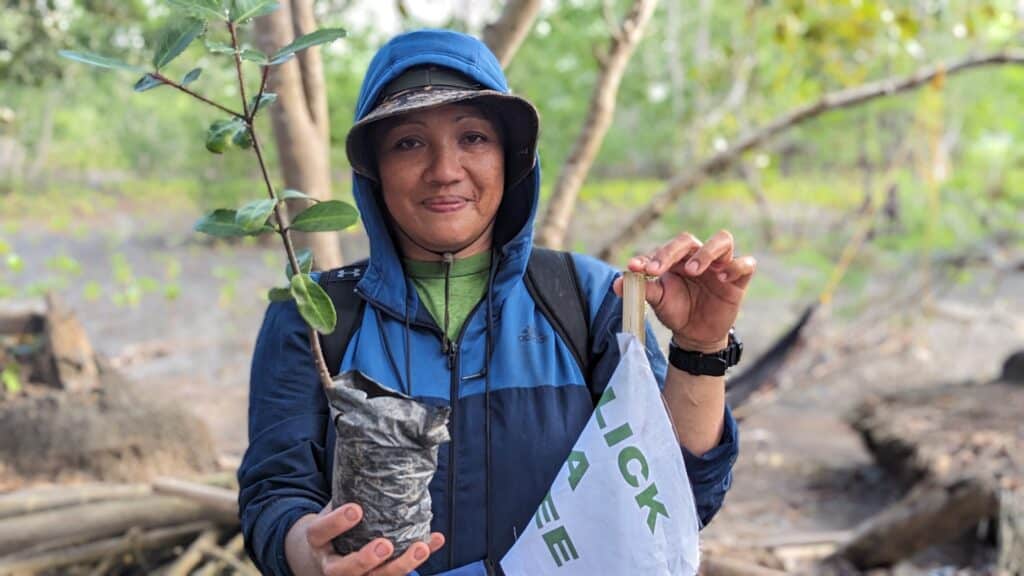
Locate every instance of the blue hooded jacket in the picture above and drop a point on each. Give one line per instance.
(518, 397)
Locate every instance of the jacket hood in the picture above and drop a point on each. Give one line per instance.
(384, 282)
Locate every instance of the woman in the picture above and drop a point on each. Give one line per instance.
(447, 183)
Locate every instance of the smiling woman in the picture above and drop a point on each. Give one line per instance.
(442, 175)
(448, 183)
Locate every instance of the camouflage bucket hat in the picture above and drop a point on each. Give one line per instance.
(432, 86)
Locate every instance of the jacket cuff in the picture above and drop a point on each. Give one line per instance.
(270, 530)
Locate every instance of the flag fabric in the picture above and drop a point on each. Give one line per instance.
(621, 504)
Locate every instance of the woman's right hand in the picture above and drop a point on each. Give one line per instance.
(310, 553)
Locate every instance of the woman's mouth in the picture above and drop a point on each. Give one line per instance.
(445, 204)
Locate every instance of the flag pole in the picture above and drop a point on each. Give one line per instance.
(634, 305)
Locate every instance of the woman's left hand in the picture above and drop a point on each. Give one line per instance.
(699, 289)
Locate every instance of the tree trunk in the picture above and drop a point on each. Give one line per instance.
(850, 97)
(506, 34)
(301, 128)
(625, 38)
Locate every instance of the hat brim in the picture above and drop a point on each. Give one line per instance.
(519, 118)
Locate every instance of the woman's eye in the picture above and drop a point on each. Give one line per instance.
(475, 138)
(406, 144)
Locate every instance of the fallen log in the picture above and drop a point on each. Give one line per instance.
(240, 566)
(958, 447)
(928, 515)
(102, 519)
(99, 551)
(60, 496)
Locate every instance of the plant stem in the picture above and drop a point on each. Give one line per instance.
(238, 68)
(259, 95)
(199, 97)
(279, 209)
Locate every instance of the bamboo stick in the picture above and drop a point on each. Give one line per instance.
(235, 546)
(634, 305)
(193, 555)
(220, 499)
(51, 497)
(101, 549)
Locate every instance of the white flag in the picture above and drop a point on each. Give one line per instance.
(622, 503)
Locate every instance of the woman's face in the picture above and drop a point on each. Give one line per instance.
(442, 173)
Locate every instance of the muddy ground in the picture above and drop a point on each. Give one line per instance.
(801, 468)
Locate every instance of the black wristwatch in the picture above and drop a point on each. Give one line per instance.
(701, 364)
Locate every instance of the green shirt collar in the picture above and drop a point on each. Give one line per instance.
(467, 266)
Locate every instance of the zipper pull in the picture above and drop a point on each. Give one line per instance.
(453, 350)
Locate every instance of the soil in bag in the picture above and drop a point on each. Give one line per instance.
(384, 459)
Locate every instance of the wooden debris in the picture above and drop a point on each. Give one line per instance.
(235, 547)
(715, 566)
(960, 447)
(74, 364)
(193, 555)
(220, 499)
(928, 515)
(101, 519)
(99, 550)
(60, 496)
(239, 566)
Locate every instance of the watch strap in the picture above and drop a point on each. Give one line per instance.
(706, 364)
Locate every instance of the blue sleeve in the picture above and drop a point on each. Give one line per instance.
(281, 477)
(710, 474)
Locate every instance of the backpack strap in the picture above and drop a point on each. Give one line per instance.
(340, 285)
(552, 282)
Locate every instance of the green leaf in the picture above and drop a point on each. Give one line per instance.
(324, 216)
(100, 61)
(314, 304)
(192, 76)
(289, 193)
(279, 294)
(219, 47)
(266, 99)
(220, 223)
(316, 38)
(305, 258)
(201, 8)
(253, 55)
(223, 134)
(253, 216)
(148, 82)
(242, 10)
(175, 38)
(242, 138)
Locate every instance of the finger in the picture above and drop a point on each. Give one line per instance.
(718, 249)
(436, 542)
(326, 527)
(671, 252)
(740, 271)
(361, 562)
(617, 286)
(416, 554)
(639, 263)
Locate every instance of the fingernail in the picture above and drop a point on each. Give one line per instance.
(721, 276)
(382, 550)
(692, 266)
(653, 266)
(420, 554)
(351, 514)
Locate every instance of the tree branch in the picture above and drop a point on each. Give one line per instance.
(847, 98)
(174, 84)
(310, 62)
(599, 117)
(506, 34)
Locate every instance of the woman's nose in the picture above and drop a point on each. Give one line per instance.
(445, 165)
